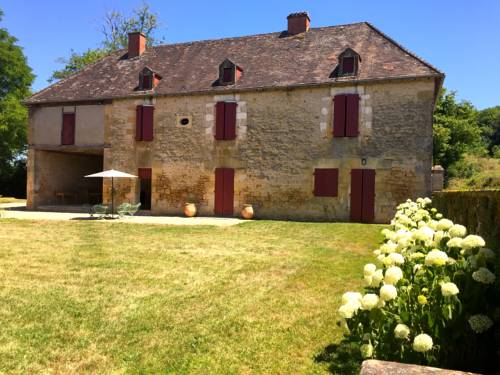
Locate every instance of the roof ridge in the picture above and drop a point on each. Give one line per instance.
(404, 49)
(251, 35)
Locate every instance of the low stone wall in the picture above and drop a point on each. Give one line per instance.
(374, 367)
(479, 211)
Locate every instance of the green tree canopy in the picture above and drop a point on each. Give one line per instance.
(115, 29)
(456, 130)
(489, 121)
(15, 81)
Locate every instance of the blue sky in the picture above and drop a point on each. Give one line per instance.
(451, 35)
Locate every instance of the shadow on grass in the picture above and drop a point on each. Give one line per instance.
(343, 358)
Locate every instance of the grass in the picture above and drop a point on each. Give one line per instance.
(260, 297)
(483, 174)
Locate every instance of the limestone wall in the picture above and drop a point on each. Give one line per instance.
(282, 135)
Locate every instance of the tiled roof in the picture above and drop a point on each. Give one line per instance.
(268, 61)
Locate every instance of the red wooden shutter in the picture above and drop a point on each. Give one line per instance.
(147, 122)
(145, 173)
(228, 191)
(146, 82)
(326, 182)
(348, 65)
(352, 115)
(138, 123)
(228, 75)
(219, 120)
(68, 129)
(339, 106)
(356, 194)
(230, 121)
(368, 211)
(219, 191)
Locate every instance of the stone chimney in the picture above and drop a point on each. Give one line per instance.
(136, 44)
(298, 23)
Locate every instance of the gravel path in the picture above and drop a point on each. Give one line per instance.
(13, 211)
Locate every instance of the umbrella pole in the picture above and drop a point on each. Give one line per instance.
(112, 197)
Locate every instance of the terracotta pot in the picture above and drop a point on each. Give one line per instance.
(247, 211)
(189, 209)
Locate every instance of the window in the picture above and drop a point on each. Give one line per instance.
(225, 120)
(348, 63)
(146, 82)
(326, 182)
(346, 115)
(229, 73)
(144, 123)
(148, 79)
(68, 129)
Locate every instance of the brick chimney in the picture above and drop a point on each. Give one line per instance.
(136, 44)
(298, 23)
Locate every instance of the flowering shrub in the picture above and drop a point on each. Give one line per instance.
(431, 292)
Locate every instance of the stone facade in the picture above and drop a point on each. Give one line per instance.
(282, 135)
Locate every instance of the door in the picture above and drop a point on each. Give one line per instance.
(68, 129)
(224, 191)
(145, 188)
(363, 195)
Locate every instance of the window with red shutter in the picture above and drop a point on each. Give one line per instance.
(68, 129)
(346, 115)
(348, 65)
(326, 182)
(227, 75)
(144, 120)
(146, 82)
(225, 120)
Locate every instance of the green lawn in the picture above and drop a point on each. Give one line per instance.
(260, 297)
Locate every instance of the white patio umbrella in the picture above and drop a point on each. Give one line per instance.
(111, 173)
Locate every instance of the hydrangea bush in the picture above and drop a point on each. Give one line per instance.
(428, 292)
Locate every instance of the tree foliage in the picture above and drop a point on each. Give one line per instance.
(489, 122)
(115, 29)
(15, 81)
(456, 130)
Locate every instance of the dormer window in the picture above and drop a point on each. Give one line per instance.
(229, 73)
(348, 63)
(148, 79)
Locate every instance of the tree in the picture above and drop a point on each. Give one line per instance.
(456, 130)
(15, 81)
(489, 121)
(115, 31)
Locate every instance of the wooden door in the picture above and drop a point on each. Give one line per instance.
(224, 191)
(68, 129)
(363, 195)
(145, 188)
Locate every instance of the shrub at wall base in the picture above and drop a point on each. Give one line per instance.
(429, 291)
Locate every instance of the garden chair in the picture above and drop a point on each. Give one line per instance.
(128, 209)
(99, 209)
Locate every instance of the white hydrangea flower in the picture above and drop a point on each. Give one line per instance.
(369, 301)
(388, 247)
(455, 242)
(439, 216)
(376, 252)
(402, 331)
(484, 275)
(436, 257)
(480, 323)
(416, 255)
(472, 241)
(487, 254)
(351, 296)
(396, 258)
(444, 224)
(369, 269)
(449, 289)
(457, 230)
(348, 310)
(388, 292)
(377, 278)
(433, 224)
(438, 236)
(366, 350)
(387, 233)
(424, 234)
(381, 258)
(393, 275)
(422, 343)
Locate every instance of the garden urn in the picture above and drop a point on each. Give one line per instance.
(189, 209)
(247, 211)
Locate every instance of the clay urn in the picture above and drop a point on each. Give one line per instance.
(247, 211)
(189, 209)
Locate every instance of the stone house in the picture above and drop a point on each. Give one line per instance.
(329, 123)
